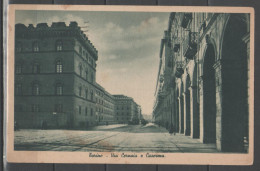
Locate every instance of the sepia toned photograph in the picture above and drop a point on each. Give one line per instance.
(152, 85)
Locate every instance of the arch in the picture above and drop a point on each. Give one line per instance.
(243, 18)
(233, 128)
(208, 107)
(210, 43)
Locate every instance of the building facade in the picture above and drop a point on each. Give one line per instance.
(105, 106)
(206, 94)
(55, 79)
(127, 111)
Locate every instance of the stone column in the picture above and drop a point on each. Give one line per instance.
(177, 115)
(181, 126)
(202, 135)
(194, 113)
(186, 100)
(219, 105)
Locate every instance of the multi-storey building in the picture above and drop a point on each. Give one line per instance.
(105, 105)
(55, 79)
(126, 110)
(206, 95)
(55, 69)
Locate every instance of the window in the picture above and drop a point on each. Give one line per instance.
(18, 89)
(59, 67)
(35, 108)
(86, 75)
(59, 45)
(59, 89)
(35, 89)
(80, 50)
(80, 110)
(36, 68)
(58, 107)
(86, 93)
(91, 95)
(80, 91)
(91, 112)
(18, 69)
(19, 47)
(80, 70)
(92, 77)
(35, 47)
(87, 56)
(86, 111)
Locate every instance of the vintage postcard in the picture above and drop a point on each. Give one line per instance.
(130, 84)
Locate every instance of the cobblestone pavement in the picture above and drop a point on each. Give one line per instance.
(135, 138)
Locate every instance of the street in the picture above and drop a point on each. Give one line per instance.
(112, 138)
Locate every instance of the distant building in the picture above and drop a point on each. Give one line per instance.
(55, 79)
(105, 106)
(126, 110)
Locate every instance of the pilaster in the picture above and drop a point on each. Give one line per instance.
(186, 100)
(194, 113)
(181, 117)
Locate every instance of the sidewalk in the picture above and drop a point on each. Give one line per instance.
(104, 127)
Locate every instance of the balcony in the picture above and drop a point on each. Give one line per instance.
(179, 72)
(176, 47)
(179, 69)
(162, 94)
(161, 78)
(190, 45)
(186, 19)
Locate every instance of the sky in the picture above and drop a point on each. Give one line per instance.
(128, 45)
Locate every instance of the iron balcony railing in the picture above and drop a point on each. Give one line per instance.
(162, 94)
(190, 45)
(186, 19)
(176, 47)
(179, 69)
